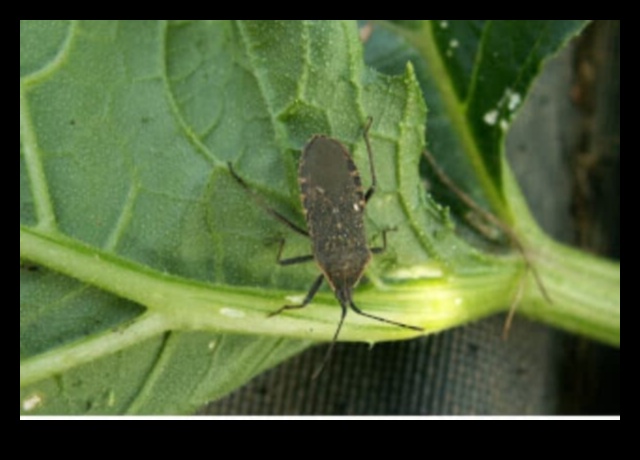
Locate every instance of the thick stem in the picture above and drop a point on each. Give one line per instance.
(584, 289)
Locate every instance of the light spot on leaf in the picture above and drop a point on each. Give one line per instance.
(491, 117)
(32, 402)
(111, 398)
(232, 313)
(416, 272)
(513, 99)
(294, 298)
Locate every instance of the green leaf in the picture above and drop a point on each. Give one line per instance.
(146, 271)
(125, 132)
(475, 75)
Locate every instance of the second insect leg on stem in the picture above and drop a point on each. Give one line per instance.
(314, 288)
(379, 250)
(308, 298)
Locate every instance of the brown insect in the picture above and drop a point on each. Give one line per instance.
(334, 204)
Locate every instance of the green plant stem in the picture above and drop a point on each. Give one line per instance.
(584, 289)
(582, 298)
(86, 350)
(434, 303)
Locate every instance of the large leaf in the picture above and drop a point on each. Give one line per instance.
(148, 272)
(475, 75)
(126, 129)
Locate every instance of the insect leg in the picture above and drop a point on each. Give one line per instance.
(489, 217)
(292, 260)
(384, 320)
(379, 250)
(308, 298)
(258, 199)
(374, 181)
(333, 343)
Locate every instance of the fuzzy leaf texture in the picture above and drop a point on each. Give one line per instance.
(147, 273)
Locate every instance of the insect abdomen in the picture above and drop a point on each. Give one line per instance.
(333, 202)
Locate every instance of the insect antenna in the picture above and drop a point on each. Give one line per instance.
(384, 320)
(360, 312)
(325, 360)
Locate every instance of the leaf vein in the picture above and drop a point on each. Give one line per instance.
(54, 64)
(124, 218)
(191, 136)
(35, 169)
(167, 349)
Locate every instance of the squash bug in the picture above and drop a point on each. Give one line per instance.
(334, 202)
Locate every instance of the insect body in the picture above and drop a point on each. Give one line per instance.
(334, 204)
